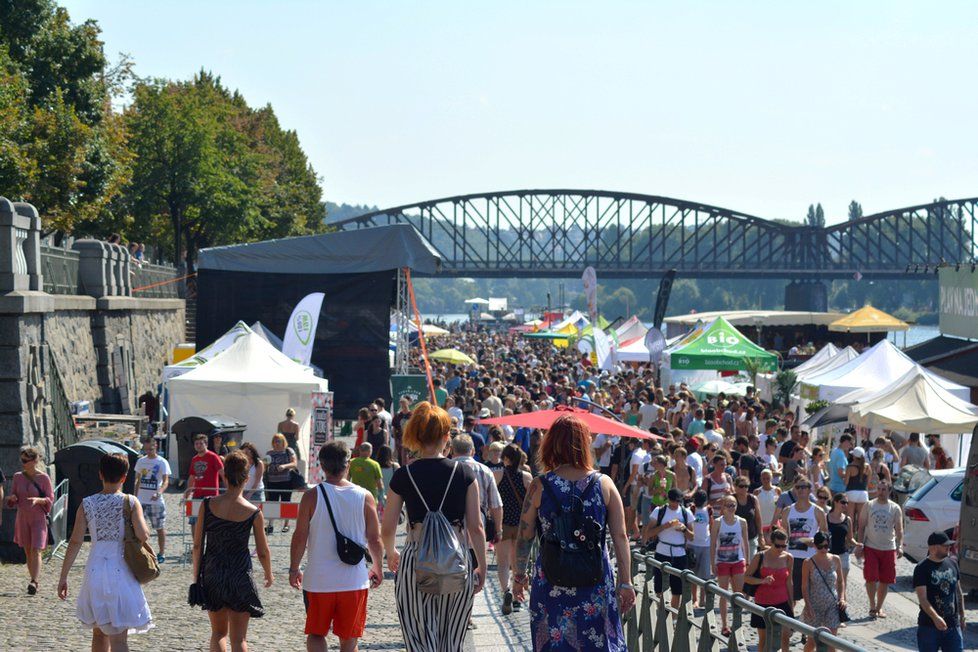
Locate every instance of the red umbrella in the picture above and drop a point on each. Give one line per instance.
(597, 423)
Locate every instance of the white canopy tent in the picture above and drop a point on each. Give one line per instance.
(916, 402)
(841, 357)
(252, 382)
(631, 331)
(876, 368)
(827, 352)
(208, 353)
(634, 352)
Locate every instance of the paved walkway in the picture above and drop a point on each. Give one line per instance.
(43, 622)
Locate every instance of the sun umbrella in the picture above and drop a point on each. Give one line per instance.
(598, 424)
(477, 300)
(453, 356)
(714, 387)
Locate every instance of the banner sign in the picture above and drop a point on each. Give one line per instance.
(414, 388)
(301, 330)
(320, 432)
(959, 302)
(590, 280)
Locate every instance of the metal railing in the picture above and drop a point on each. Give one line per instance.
(58, 522)
(649, 627)
(155, 281)
(62, 423)
(59, 270)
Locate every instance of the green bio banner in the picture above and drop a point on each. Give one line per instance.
(415, 388)
(959, 302)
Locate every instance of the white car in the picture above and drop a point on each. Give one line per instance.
(934, 506)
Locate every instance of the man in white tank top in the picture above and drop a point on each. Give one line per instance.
(802, 520)
(334, 592)
(880, 531)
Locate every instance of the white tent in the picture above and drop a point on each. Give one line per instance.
(631, 331)
(634, 352)
(827, 352)
(252, 382)
(577, 318)
(876, 368)
(916, 403)
(208, 353)
(841, 357)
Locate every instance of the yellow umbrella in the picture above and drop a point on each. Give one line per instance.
(868, 320)
(453, 356)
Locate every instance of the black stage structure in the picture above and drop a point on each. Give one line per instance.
(357, 270)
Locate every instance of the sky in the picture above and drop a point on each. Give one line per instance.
(760, 107)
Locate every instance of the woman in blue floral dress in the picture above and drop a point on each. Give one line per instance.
(574, 618)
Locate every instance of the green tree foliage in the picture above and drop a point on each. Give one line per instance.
(855, 211)
(210, 170)
(64, 149)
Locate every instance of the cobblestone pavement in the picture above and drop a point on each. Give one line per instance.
(43, 622)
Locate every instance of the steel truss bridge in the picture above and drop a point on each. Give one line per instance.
(557, 233)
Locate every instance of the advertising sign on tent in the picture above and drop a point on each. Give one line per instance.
(412, 387)
(959, 302)
(321, 421)
(301, 331)
(721, 347)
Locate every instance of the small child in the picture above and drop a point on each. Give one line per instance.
(700, 549)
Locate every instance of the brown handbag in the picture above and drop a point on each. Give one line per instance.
(138, 555)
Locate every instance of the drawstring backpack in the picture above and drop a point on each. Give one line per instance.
(440, 566)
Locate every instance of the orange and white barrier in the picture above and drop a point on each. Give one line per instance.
(287, 511)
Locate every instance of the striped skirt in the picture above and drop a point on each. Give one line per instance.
(430, 623)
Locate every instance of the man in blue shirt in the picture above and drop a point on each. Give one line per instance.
(838, 462)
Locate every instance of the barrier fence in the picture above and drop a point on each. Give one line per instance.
(58, 521)
(649, 627)
(270, 509)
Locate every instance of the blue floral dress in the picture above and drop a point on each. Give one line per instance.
(568, 618)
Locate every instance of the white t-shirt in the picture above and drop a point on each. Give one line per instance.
(149, 478)
(639, 457)
(601, 440)
(695, 460)
(455, 411)
(672, 542)
(714, 437)
(649, 412)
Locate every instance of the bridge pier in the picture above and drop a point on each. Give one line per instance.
(810, 296)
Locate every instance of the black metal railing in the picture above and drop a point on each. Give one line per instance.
(654, 626)
(62, 425)
(155, 281)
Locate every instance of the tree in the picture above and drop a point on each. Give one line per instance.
(65, 150)
(210, 170)
(855, 211)
(819, 216)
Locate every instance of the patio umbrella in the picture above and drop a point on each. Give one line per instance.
(453, 356)
(598, 424)
(716, 386)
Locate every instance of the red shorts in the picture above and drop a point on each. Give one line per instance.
(731, 568)
(879, 565)
(346, 611)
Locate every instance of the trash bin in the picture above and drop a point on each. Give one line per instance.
(230, 429)
(78, 464)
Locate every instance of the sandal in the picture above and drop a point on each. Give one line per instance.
(872, 614)
(880, 613)
(32, 587)
(725, 631)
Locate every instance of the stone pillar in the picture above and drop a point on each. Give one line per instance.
(20, 247)
(95, 274)
(806, 296)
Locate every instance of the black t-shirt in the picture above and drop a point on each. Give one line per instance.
(750, 465)
(431, 476)
(787, 449)
(941, 580)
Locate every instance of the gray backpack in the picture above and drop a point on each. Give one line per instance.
(440, 566)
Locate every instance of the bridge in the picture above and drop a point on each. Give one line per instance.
(557, 233)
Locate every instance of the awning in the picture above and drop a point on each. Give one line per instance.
(868, 320)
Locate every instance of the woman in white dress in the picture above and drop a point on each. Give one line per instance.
(110, 601)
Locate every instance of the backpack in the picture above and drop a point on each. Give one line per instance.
(572, 551)
(441, 565)
(654, 541)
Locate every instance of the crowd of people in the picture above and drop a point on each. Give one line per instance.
(732, 488)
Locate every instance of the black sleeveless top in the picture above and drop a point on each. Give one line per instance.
(837, 536)
(226, 565)
(512, 492)
(746, 512)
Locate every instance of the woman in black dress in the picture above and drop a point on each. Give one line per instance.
(224, 569)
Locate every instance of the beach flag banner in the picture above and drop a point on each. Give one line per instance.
(300, 334)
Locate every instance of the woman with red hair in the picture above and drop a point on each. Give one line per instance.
(574, 601)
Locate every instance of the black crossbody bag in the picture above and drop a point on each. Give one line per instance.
(349, 551)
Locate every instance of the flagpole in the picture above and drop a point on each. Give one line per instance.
(424, 347)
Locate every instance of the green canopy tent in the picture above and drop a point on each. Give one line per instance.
(721, 347)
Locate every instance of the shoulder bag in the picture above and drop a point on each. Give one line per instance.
(349, 551)
(138, 555)
(47, 513)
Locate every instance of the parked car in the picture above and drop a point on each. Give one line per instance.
(934, 506)
(908, 480)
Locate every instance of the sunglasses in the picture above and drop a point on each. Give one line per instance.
(823, 547)
(780, 546)
(27, 458)
(803, 487)
(843, 502)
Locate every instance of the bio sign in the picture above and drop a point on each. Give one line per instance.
(722, 339)
(959, 302)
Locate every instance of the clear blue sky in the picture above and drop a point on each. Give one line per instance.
(762, 107)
